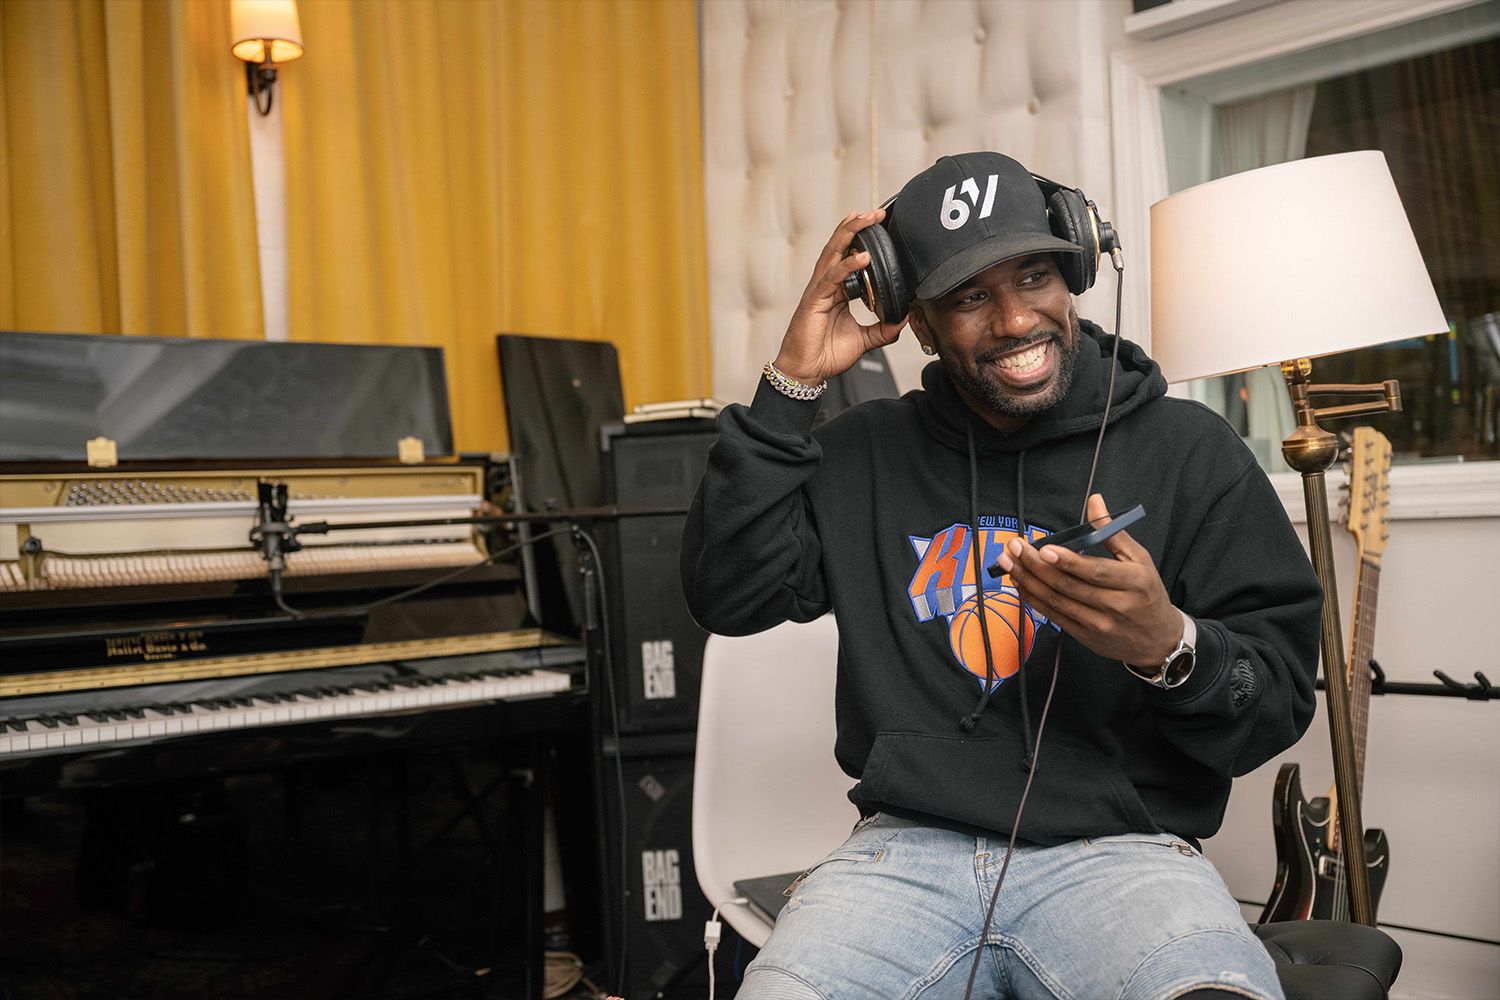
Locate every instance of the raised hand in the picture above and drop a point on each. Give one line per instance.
(824, 339)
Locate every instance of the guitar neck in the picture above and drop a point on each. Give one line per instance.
(1361, 649)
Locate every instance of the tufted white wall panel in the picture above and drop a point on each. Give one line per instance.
(787, 88)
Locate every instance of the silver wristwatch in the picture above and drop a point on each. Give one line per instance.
(1178, 666)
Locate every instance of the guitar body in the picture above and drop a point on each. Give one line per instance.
(1308, 886)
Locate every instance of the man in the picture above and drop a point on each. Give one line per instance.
(1185, 653)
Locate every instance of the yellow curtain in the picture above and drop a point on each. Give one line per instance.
(461, 168)
(125, 190)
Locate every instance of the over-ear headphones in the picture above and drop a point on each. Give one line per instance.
(884, 286)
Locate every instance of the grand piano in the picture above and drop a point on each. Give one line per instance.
(141, 638)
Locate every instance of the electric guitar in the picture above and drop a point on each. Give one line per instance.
(1310, 879)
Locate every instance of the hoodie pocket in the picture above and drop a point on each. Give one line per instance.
(1078, 791)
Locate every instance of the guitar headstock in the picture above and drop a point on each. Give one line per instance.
(1368, 509)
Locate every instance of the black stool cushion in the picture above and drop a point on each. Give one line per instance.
(1331, 959)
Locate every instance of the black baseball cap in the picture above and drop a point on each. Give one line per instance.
(966, 212)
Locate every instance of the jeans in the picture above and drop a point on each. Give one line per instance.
(896, 911)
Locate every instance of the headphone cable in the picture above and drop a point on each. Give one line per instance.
(1041, 726)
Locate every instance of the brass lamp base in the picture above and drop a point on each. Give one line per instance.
(1311, 451)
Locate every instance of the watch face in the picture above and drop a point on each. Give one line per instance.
(1178, 668)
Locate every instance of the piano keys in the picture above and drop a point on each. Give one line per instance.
(97, 718)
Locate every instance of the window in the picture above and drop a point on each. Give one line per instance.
(1436, 116)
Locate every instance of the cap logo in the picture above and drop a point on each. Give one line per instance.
(955, 213)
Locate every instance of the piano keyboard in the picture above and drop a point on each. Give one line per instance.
(69, 722)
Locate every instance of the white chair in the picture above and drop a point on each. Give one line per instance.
(767, 794)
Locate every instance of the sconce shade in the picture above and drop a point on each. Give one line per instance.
(1289, 261)
(256, 25)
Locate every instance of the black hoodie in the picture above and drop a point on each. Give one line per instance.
(870, 517)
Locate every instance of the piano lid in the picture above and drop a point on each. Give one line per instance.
(191, 399)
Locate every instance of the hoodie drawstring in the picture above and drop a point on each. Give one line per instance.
(971, 720)
(1021, 633)
(968, 722)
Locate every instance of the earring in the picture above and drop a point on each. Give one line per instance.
(928, 350)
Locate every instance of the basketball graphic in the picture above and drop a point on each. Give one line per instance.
(1006, 621)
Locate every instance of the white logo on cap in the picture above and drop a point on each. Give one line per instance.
(955, 213)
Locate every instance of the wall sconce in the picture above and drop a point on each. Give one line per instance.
(266, 32)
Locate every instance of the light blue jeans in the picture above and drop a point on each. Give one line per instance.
(896, 912)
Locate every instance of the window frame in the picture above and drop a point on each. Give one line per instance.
(1227, 61)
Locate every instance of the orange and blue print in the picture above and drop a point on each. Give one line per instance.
(944, 586)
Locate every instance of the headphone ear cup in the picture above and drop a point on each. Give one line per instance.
(1072, 221)
(892, 298)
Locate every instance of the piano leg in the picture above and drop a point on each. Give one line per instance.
(533, 814)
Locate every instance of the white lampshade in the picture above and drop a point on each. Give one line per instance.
(256, 25)
(1289, 261)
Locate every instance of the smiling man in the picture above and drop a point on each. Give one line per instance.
(1031, 368)
(1178, 656)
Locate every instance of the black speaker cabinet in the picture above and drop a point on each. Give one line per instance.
(657, 648)
(658, 917)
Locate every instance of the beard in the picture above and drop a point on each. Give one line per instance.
(1006, 402)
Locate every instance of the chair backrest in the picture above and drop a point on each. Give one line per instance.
(767, 794)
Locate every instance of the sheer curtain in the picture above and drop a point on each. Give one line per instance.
(125, 192)
(1250, 134)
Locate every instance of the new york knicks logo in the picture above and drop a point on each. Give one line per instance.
(943, 587)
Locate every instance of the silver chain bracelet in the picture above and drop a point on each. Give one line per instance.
(788, 386)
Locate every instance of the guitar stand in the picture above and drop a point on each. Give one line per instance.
(1480, 690)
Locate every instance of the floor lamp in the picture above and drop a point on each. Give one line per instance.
(1277, 266)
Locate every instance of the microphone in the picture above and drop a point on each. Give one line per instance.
(273, 533)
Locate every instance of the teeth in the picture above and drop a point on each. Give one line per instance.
(1029, 358)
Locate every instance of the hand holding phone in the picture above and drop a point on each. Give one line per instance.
(1086, 536)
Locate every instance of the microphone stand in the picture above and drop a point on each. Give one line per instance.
(274, 535)
(562, 515)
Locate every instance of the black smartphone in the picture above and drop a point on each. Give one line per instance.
(1085, 536)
